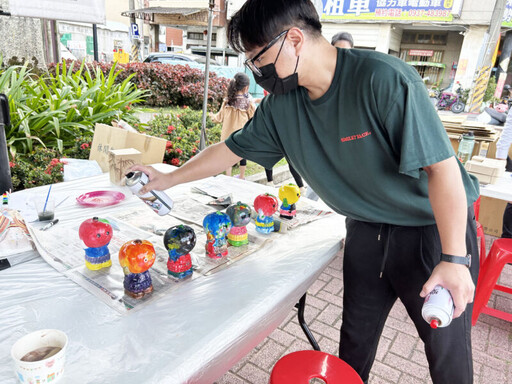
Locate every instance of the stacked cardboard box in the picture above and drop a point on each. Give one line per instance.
(485, 135)
(487, 171)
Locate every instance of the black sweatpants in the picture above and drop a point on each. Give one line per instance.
(406, 257)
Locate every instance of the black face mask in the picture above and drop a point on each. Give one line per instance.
(271, 82)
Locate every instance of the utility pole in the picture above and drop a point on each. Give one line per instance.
(95, 41)
(135, 42)
(488, 56)
(202, 141)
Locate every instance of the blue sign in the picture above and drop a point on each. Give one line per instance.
(134, 31)
(438, 10)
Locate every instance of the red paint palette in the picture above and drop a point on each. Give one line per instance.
(100, 198)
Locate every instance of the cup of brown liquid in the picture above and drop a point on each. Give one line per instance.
(39, 356)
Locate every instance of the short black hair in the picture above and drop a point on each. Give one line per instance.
(343, 36)
(259, 21)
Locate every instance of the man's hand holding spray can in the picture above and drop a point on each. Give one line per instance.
(157, 200)
(438, 307)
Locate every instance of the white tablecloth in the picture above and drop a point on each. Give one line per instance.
(193, 335)
(501, 190)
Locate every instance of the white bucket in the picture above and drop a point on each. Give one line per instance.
(45, 371)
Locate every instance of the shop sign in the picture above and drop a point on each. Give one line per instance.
(421, 52)
(85, 11)
(507, 15)
(429, 10)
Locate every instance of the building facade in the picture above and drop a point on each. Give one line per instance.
(442, 39)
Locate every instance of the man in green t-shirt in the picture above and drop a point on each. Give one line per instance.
(359, 127)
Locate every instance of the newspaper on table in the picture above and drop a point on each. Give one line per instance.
(15, 243)
(244, 191)
(61, 248)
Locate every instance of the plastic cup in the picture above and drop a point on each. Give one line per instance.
(49, 370)
(45, 213)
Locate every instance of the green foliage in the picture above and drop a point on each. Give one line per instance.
(169, 85)
(41, 167)
(50, 111)
(182, 129)
(491, 88)
(81, 148)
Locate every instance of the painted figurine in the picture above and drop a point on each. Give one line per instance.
(289, 194)
(217, 226)
(136, 257)
(96, 235)
(265, 205)
(240, 215)
(179, 241)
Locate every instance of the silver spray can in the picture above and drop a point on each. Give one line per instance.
(438, 307)
(158, 201)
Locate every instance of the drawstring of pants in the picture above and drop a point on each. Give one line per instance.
(386, 247)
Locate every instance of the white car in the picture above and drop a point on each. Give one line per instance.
(172, 58)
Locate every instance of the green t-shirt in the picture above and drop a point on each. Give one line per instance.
(362, 145)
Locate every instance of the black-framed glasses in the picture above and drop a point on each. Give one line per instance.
(249, 63)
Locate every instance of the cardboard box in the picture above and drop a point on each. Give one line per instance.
(487, 171)
(107, 138)
(119, 161)
(491, 215)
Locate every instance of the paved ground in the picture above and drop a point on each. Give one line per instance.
(400, 357)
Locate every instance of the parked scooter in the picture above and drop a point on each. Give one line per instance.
(450, 101)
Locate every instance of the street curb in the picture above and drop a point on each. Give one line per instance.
(280, 174)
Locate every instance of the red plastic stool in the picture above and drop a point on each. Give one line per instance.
(499, 255)
(303, 366)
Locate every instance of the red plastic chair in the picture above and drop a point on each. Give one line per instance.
(303, 366)
(499, 255)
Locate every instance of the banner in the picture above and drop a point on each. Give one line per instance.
(85, 11)
(429, 10)
(507, 15)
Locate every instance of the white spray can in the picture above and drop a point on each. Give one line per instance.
(438, 307)
(158, 201)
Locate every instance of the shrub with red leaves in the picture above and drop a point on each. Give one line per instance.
(170, 85)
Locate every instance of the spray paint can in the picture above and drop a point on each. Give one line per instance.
(158, 201)
(438, 307)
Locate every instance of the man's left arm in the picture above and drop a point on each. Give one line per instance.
(448, 199)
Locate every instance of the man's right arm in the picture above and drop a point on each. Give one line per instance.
(209, 162)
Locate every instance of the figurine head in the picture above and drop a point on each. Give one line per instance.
(217, 223)
(239, 213)
(180, 239)
(95, 232)
(137, 256)
(290, 193)
(265, 204)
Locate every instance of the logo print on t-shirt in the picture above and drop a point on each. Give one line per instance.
(356, 137)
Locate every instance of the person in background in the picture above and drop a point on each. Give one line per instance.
(502, 147)
(343, 40)
(359, 127)
(237, 108)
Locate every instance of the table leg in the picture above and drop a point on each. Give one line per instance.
(300, 313)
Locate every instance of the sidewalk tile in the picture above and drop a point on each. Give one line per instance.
(268, 355)
(253, 374)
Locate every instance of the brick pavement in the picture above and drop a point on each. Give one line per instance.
(400, 358)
